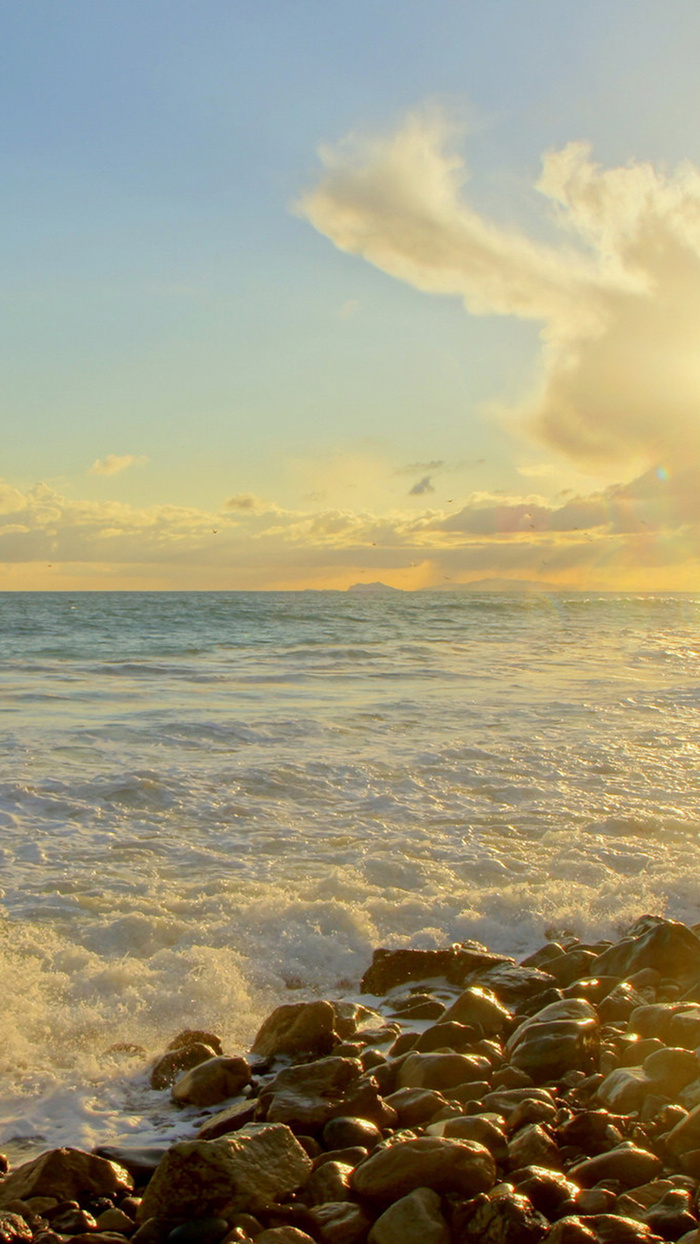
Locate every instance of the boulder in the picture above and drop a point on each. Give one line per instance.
(532, 1146)
(653, 942)
(260, 1163)
(211, 1082)
(390, 968)
(306, 1096)
(441, 1071)
(460, 1166)
(329, 1182)
(414, 1219)
(479, 1006)
(626, 1163)
(66, 1174)
(624, 1089)
(562, 1037)
(341, 1222)
(505, 1216)
(175, 1062)
(298, 1028)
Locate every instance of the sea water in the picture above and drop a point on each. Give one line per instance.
(211, 803)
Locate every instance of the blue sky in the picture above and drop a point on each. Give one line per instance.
(193, 346)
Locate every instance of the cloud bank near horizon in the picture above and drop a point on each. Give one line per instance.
(617, 291)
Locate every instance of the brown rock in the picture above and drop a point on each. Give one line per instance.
(614, 1229)
(484, 1130)
(532, 1146)
(671, 1069)
(682, 1138)
(479, 1006)
(653, 942)
(624, 1089)
(460, 1166)
(514, 984)
(258, 1164)
(341, 1223)
(415, 1106)
(211, 1082)
(284, 1235)
(13, 1228)
(169, 1066)
(196, 1036)
(572, 1230)
(298, 1028)
(414, 1219)
(65, 1174)
(441, 1071)
(626, 1163)
(390, 968)
(549, 1190)
(231, 1119)
(115, 1219)
(308, 1095)
(562, 1037)
(329, 1182)
(503, 1216)
(344, 1130)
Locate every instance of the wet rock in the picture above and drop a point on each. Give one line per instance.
(460, 1166)
(65, 1174)
(473, 1127)
(311, 1093)
(507, 1101)
(13, 1228)
(345, 1130)
(390, 968)
(619, 1003)
(671, 1069)
(560, 1038)
(351, 1156)
(653, 942)
(418, 1006)
(284, 1235)
(682, 1138)
(414, 1219)
(175, 1062)
(479, 1006)
(329, 1182)
(514, 984)
(614, 1229)
(624, 1089)
(259, 1164)
(196, 1036)
(592, 1131)
(445, 1035)
(572, 1230)
(626, 1163)
(684, 1029)
(635, 1049)
(415, 1106)
(440, 1071)
(548, 1190)
(654, 1019)
(199, 1231)
(505, 1217)
(532, 1146)
(530, 1110)
(73, 1221)
(341, 1223)
(570, 965)
(115, 1219)
(212, 1082)
(298, 1028)
(229, 1120)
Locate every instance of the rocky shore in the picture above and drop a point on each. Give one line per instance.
(468, 1098)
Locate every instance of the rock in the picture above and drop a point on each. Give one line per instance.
(258, 1164)
(418, 1006)
(341, 1223)
(329, 1182)
(306, 1096)
(298, 1028)
(65, 1174)
(460, 1166)
(73, 1220)
(507, 1101)
(390, 968)
(479, 1006)
(14, 1228)
(199, 1231)
(570, 966)
(115, 1219)
(140, 1161)
(196, 1036)
(572, 1230)
(514, 984)
(682, 1138)
(560, 1038)
(548, 1190)
(531, 1146)
(684, 1028)
(654, 1019)
(284, 1235)
(171, 1065)
(414, 1219)
(592, 1131)
(614, 1229)
(415, 1106)
(231, 1119)
(626, 1163)
(476, 1127)
(502, 1217)
(619, 1003)
(671, 1069)
(653, 942)
(624, 1089)
(448, 1035)
(440, 1071)
(351, 1155)
(344, 1130)
(211, 1082)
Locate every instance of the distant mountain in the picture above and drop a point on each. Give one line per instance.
(500, 585)
(373, 587)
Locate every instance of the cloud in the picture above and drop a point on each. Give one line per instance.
(617, 291)
(424, 485)
(413, 467)
(244, 501)
(114, 464)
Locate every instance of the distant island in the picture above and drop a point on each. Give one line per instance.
(475, 585)
(373, 587)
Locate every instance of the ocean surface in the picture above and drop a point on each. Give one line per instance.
(214, 802)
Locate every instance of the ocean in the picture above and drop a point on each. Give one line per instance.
(211, 803)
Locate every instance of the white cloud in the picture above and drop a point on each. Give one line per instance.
(114, 464)
(617, 293)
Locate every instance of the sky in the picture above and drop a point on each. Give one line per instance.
(304, 295)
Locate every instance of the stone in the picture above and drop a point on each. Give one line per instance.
(619, 1003)
(684, 1029)
(440, 1071)
(212, 1082)
(624, 1089)
(562, 1037)
(174, 1063)
(13, 1227)
(65, 1174)
(298, 1028)
(445, 1035)
(592, 1131)
(460, 1166)
(73, 1221)
(532, 1146)
(476, 1127)
(514, 984)
(570, 966)
(572, 1230)
(341, 1222)
(505, 1216)
(477, 1005)
(507, 1101)
(199, 1231)
(653, 942)
(196, 1036)
(414, 1219)
(682, 1138)
(415, 1106)
(654, 1019)
(258, 1164)
(626, 1163)
(231, 1119)
(344, 1130)
(548, 1190)
(671, 1069)
(115, 1219)
(306, 1096)
(614, 1229)
(139, 1160)
(329, 1182)
(284, 1235)
(390, 968)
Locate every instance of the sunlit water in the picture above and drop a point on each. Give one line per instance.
(210, 800)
